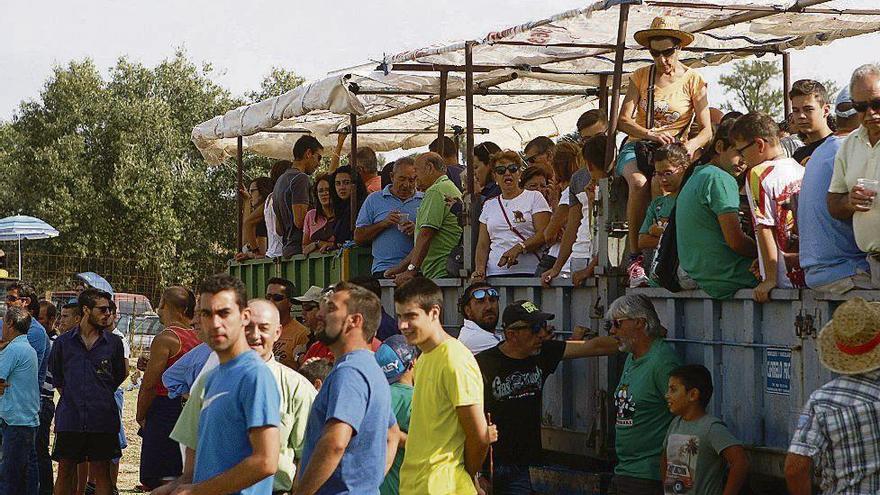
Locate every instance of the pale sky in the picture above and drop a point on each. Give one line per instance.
(244, 39)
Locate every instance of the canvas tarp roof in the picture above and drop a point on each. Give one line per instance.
(324, 106)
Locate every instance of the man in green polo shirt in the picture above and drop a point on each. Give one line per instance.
(437, 229)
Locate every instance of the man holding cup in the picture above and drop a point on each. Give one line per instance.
(854, 185)
(386, 218)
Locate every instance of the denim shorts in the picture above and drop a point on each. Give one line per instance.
(627, 154)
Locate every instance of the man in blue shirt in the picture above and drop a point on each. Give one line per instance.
(22, 295)
(829, 255)
(88, 364)
(352, 434)
(19, 404)
(387, 218)
(238, 438)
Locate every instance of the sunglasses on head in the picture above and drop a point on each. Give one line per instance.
(276, 297)
(512, 168)
(863, 106)
(666, 53)
(481, 294)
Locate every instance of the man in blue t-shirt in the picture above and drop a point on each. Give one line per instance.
(353, 408)
(19, 403)
(387, 218)
(829, 255)
(239, 442)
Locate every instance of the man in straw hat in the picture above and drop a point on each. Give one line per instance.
(839, 429)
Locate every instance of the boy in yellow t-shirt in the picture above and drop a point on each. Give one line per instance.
(448, 434)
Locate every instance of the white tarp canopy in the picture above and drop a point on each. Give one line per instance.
(527, 57)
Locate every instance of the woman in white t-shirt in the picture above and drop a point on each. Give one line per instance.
(511, 225)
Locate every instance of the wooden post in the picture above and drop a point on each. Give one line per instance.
(786, 83)
(441, 118)
(615, 86)
(470, 251)
(239, 180)
(353, 165)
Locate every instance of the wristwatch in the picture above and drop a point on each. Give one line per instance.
(412, 268)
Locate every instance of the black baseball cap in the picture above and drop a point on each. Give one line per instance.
(525, 311)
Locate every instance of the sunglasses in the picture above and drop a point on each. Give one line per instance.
(534, 327)
(863, 106)
(104, 309)
(666, 53)
(668, 173)
(12, 299)
(740, 151)
(309, 306)
(481, 294)
(512, 168)
(617, 323)
(276, 297)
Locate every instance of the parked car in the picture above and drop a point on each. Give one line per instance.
(140, 331)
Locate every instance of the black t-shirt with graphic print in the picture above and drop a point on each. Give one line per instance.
(513, 390)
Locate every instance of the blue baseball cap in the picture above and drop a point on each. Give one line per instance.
(843, 107)
(395, 356)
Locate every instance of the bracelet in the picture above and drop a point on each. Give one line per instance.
(523, 246)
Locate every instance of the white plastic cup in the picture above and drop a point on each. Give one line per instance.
(872, 185)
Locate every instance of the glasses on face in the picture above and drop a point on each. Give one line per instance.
(103, 309)
(276, 297)
(481, 294)
(668, 173)
(534, 327)
(740, 151)
(512, 168)
(665, 53)
(863, 106)
(309, 306)
(618, 322)
(11, 299)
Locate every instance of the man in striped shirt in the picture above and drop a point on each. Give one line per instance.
(838, 431)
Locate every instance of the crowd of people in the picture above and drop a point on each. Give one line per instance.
(226, 407)
(748, 211)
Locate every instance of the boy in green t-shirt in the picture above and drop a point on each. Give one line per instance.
(697, 444)
(397, 358)
(670, 163)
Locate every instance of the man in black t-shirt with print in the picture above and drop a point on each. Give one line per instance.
(514, 373)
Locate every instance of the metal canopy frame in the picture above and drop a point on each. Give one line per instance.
(741, 14)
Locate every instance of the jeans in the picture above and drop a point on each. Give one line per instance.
(511, 479)
(18, 444)
(44, 434)
(626, 485)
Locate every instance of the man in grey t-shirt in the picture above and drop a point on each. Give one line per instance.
(291, 194)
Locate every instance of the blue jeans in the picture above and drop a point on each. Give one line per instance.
(18, 444)
(511, 479)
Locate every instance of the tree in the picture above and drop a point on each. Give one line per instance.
(111, 166)
(276, 83)
(752, 84)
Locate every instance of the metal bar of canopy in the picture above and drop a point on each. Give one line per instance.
(486, 92)
(450, 130)
(441, 115)
(416, 67)
(617, 82)
(469, 156)
(353, 161)
(786, 83)
(695, 49)
(239, 179)
(758, 8)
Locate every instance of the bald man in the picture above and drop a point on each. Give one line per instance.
(156, 412)
(297, 395)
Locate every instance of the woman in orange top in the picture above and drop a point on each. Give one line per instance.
(680, 98)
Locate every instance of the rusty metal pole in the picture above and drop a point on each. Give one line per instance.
(615, 85)
(441, 118)
(603, 95)
(786, 82)
(470, 251)
(353, 164)
(239, 172)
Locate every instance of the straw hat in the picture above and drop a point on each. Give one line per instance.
(664, 27)
(850, 343)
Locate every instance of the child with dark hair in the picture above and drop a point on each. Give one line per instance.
(671, 163)
(697, 444)
(316, 370)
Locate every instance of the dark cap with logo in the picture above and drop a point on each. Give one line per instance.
(526, 311)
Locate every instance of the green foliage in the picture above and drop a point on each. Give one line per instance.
(276, 83)
(111, 166)
(755, 87)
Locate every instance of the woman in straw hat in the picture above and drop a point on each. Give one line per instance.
(838, 431)
(680, 97)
